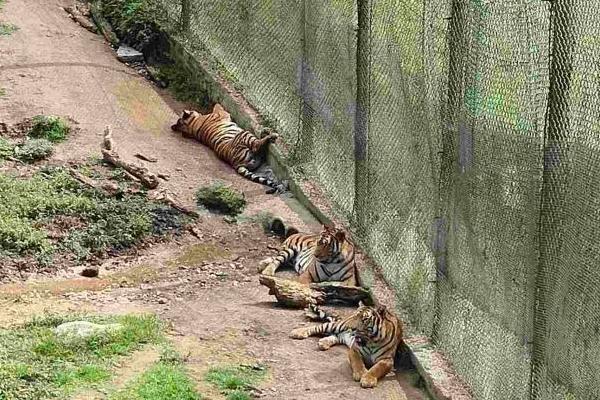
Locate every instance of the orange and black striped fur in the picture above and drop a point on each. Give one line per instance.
(240, 148)
(372, 335)
(328, 256)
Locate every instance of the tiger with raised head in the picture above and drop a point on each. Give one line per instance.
(239, 148)
(372, 335)
(327, 256)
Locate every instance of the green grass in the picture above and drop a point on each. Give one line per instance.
(29, 207)
(6, 149)
(49, 127)
(221, 198)
(6, 29)
(2, 92)
(34, 150)
(163, 381)
(35, 364)
(235, 381)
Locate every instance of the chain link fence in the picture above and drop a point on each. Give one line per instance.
(462, 139)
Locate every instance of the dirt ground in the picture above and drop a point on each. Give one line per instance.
(205, 287)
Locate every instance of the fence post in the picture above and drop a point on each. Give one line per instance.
(361, 116)
(555, 173)
(186, 16)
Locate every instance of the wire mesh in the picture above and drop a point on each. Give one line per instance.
(477, 190)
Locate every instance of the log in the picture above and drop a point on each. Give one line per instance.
(147, 179)
(296, 295)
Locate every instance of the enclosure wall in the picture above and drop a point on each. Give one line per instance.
(461, 140)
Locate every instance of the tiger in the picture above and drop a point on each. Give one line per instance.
(239, 148)
(328, 256)
(372, 334)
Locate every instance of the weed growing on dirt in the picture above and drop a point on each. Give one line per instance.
(49, 127)
(7, 29)
(36, 364)
(220, 198)
(6, 149)
(2, 92)
(236, 381)
(83, 221)
(34, 150)
(163, 381)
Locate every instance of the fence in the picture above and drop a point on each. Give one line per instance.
(462, 138)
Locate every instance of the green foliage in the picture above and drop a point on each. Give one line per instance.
(6, 149)
(2, 92)
(162, 381)
(34, 364)
(29, 206)
(34, 150)
(221, 198)
(6, 29)
(134, 20)
(51, 128)
(235, 381)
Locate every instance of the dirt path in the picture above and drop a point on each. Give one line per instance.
(207, 288)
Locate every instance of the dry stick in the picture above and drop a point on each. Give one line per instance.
(294, 294)
(108, 188)
(109, 155)
(83, 21)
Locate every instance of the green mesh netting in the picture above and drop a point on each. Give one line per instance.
(478, 192)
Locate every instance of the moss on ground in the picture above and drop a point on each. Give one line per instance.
(220, 198)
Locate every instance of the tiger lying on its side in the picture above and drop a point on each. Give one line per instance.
(328, 256)
(240, 148)
(372, 335)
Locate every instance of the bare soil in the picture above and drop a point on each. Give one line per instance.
(206, 287)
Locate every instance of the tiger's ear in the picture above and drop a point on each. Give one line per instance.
(381, 309)
(186, 114)
(340, 235)
(360, 303)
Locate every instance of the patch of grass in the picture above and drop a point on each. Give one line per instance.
(236, 381)
(29, 207)
(34, 150)
(6, 149)
(36, 365)
(2, 92)
(163, 381)
(7, 29)
(49, 127)
(195, 254)
(185, 89)
(221, 198)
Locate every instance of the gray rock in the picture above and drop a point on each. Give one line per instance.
(127, 54)
(79, 331)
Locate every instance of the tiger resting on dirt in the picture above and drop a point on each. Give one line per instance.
(372, 335)
(239, 148)
(327, 256)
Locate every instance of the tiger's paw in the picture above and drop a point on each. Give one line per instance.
(357, 375)
(368, 381)
(273, 137)
(299, 333)
(327, 342)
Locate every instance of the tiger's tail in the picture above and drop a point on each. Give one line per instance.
(246, 173)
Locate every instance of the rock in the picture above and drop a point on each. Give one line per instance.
(90, 272)
(79, 331)
(128, 54)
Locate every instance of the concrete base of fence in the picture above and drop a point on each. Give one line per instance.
(439, 378)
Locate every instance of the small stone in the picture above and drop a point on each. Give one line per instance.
(128, 54)
(90, 272)
(162, 301)
(78, 331)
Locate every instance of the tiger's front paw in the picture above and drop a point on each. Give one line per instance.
(368, 381)
(327, 342)
(357, 375)
(273, 137)
(299, 333)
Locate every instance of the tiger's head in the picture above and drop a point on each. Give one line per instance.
(330, 242)
(371, 322)
(191, 120)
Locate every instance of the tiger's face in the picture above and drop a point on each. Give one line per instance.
(184, 124)
(370, 322)
(329, 242)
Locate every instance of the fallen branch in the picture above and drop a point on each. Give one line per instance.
(110, 155)
(171, 201)
(296, 295)
(146, 158)
(108, 188)
(75, 14)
